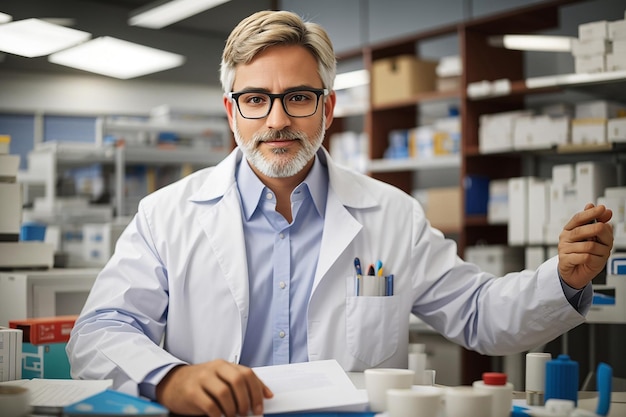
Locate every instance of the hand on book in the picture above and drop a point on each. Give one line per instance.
(213, 388)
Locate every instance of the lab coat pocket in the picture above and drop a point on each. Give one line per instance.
(372, 328)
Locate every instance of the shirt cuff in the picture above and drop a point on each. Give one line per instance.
(579, 299)
(147, 388)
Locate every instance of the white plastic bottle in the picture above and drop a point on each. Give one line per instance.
(501, 392)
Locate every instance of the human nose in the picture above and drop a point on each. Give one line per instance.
(277, 117)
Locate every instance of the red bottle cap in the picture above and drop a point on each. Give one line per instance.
(494, 378)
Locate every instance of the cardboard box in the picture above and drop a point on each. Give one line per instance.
(498, 260)
(518, 211)
(538, 209)
(591, 47)
(45, 361)
(593, 30)
(476, 189)
(534, 256)
(617, 29)
(42, 330)
(589, 131)
(10, 209)
(590, 64)
(591, 180)
(498, 204)
(400, 78)
(10, 354)
(615, 62)
(443, 207)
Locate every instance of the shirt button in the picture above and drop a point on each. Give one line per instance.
(281, 334)
(269, 196)
(281, 235)
(282, 285)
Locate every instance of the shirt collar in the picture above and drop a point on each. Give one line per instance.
(251, 189)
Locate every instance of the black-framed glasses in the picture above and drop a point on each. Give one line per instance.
(302, 102)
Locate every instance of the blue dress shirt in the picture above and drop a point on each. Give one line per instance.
(282, 258)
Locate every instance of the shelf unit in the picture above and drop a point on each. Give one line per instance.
(481, 62)
(49, 160)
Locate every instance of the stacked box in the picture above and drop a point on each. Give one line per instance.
(10, 354)
(401, 78)
(43, 350)
(592, 46)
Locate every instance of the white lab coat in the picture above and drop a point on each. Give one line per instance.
(179, 276)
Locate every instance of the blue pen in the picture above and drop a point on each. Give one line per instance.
(359, 275)
(389, 286)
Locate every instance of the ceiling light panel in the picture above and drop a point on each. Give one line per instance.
(117, 58)
(4, 18)
(165, 13)
(34, 37)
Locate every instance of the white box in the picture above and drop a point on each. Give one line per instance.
(558, 131)
(593, 30)
(538, 209)
(99, 241)
(55, 292)
(615, 62)
(534, 256)
(591, 180)
(498, 204)
(523, 133)
(616, 204)
(496, 130)
(616, 130)
(563, 174)
(619, 47)
(590, 64)
(498, 260)
(591, 47)
(9, 164)
(589, 131)
(28, 254)
(615, 192)
(617, 29)
(563, 203)
(518, 211)
(10, 208)
(602, 109)
(551, 234)
(10, 354)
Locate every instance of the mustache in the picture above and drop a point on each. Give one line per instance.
(272, 134)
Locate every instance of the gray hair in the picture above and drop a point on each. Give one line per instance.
(264, 29)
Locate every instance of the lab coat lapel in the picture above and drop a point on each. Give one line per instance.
(340, 226)
(222, 225)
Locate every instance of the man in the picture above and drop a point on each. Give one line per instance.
(252, 262)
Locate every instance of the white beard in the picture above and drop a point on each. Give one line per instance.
(281, 164)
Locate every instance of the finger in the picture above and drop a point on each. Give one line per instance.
(258, 391)
(590, 214)
(238, 378)
(606, 216)
(222, 396)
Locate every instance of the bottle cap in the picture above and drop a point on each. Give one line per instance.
(494, 378)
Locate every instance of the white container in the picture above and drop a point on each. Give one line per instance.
(501, 392)
(536, 377)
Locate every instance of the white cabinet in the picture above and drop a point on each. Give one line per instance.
(54, 292)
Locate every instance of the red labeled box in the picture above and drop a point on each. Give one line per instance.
(43, 330)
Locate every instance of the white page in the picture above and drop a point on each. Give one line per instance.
(317, 385)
